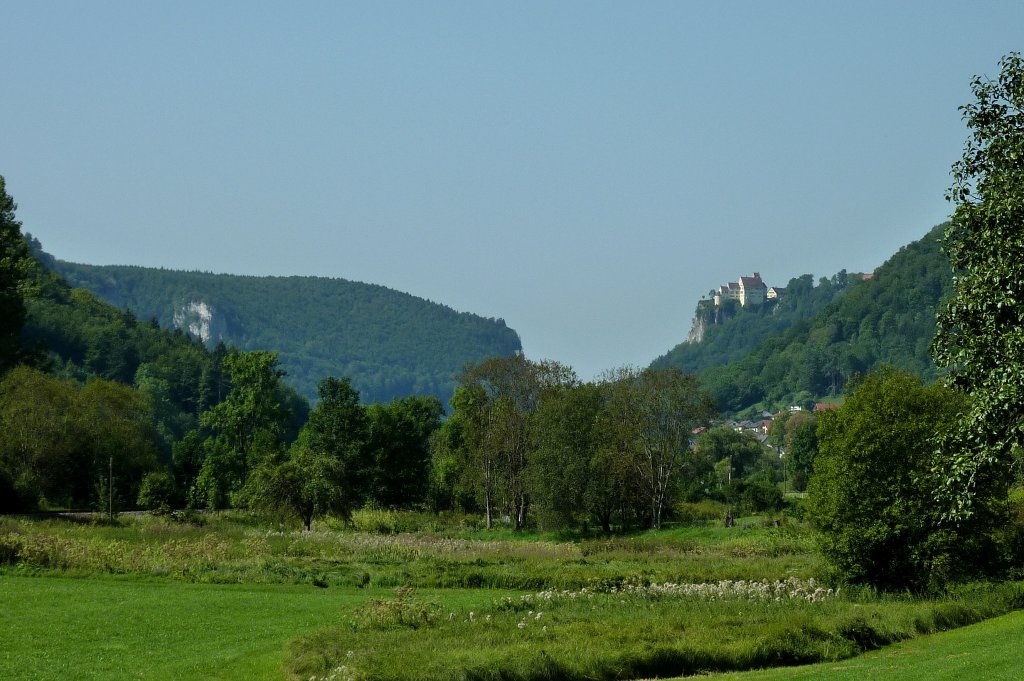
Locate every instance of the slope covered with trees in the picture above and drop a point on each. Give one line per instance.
(390, 344)
(729, 332)
(888, 319)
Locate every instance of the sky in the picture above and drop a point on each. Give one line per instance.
(584, 170)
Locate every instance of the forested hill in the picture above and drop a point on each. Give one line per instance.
(889, 319)
(389, 343)
(729, 332)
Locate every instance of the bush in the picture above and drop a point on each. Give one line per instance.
(869, 494)
(699, 512)
(156, 491)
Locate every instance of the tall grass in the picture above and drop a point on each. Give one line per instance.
(231, 548)
(626, 633)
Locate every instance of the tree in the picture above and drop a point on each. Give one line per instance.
(801, 449)
(740, 452)
(337, 428)
(870, 493)
(658, 409)
(397, 449)
(58, 441)
(796, 433)
(307, 484)
(564, 480)
(15, 267)
(499, 398)
(251, 420)
(40, 445)
(980, 336)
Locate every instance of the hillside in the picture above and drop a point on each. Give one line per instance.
(728, 332)
(889, 319)
(389, 343)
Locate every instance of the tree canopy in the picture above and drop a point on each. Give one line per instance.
(872, 492)
(980, 338)
(15, 268)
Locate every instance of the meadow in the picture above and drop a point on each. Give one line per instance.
(228, 596)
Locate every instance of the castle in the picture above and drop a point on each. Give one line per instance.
(748, 290)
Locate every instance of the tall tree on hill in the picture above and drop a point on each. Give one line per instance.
(15, 267)
(980, 338)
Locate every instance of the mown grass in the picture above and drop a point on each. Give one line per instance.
(989, 650)
(64, 628)
(112, 628)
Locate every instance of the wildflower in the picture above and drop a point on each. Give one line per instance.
(522, 625)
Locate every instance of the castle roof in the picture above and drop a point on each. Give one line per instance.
(752, 282)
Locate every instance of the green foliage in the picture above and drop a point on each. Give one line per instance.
(15, 280)
(527, 435)
(496, 405)
(656, 412)
(337, 427)
(886, 320)
(248, 425)
(980, 337)
(156, 491)
(58, 440)
(741, 452)
(74, 335)
(307, 484)
(566, 485)
(391, 344)
(871, 494)
(397, 450)
(796, 433)
(730, 332)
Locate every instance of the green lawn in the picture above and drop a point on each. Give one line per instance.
(106, 628)
(990, 650)
(66, 628)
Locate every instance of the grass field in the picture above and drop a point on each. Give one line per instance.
(226, 597)
(88, 628)
(990, 650)
(67, 628)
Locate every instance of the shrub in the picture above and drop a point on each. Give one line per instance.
(156, 491)
(869, 493)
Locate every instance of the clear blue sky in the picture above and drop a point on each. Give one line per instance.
(585, 170)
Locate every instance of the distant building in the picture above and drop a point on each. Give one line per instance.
(748, 291)
(776, 292)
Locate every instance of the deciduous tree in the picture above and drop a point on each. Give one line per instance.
(869, 493)
(980, 338)
(15, 267)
